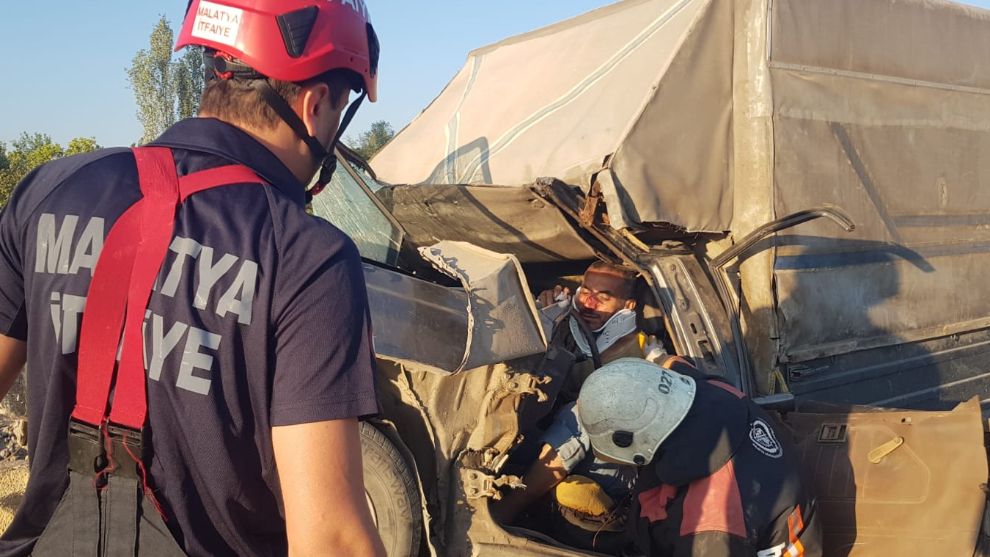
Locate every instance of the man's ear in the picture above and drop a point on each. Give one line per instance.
(311, 101)
(630, 304)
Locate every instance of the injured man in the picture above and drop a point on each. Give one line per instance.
(598, 325)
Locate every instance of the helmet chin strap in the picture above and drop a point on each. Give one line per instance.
(322, 156)
(329, 163)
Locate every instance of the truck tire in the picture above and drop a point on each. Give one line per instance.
(392, 492)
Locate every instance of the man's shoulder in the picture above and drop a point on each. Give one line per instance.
(296, 225)
(44, 180)
(114, 159)
(72, 163)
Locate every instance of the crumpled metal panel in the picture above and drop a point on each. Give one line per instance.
(405, 310)
(503, 322)
(455, 421)
(512, 220)
(492, 320)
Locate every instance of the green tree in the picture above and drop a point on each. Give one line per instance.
(30, 151)
(165, 89)
(372, 140)
(5, 186)
(189, 82)
(81, 145)
(33, 150)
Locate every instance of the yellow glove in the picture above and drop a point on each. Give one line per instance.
(584, 496)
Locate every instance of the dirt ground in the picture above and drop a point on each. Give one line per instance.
(13, 467)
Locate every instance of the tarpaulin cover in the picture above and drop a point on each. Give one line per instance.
(882, 108)
(648, 81)
(651, 91)
(722, 115)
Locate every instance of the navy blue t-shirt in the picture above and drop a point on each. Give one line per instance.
(259, 318)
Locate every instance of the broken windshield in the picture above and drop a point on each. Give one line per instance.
(349, 203)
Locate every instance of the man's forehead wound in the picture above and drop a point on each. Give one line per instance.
(625, 283)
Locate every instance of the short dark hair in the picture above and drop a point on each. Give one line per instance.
(628, 274)
(237, 100)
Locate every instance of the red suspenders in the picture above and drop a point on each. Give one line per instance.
(118, 295)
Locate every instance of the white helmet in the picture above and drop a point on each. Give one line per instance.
(630, 406)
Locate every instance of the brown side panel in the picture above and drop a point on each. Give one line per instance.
(896, 483)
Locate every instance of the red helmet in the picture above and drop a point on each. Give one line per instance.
(288, 40)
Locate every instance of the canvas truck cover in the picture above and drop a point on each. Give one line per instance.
(882, 108)
(722, 115)
(560, 101)
(658, 97)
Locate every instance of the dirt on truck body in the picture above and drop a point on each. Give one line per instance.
(804, 186)
(888, 481)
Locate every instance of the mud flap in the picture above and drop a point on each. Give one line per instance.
(896, 482)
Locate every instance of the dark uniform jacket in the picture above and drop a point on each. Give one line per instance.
(726, 482)
(259, 319)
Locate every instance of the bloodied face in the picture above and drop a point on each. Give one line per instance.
(601, 295)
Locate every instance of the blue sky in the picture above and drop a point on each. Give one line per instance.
(64, 66)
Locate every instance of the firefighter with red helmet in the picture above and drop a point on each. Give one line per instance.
(200, 347)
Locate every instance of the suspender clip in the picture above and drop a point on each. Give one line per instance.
(126, 451)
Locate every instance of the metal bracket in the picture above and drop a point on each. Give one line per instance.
(478, 485)
(590, 209)
(527, 384)
(833, 433)
(490, 457)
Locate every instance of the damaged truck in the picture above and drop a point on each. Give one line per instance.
(804, 186)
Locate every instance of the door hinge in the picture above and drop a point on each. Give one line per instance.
(478, 485)
(527, 384)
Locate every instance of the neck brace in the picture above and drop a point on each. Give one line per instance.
(622, 323)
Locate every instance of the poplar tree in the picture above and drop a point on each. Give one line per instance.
(166, 87)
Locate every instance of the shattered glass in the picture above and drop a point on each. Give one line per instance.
(348, 206)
